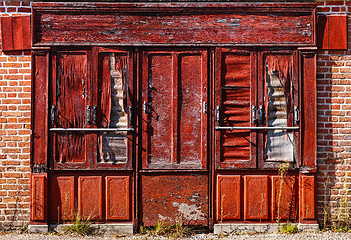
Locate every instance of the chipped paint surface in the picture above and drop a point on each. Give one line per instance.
(71, 105)
(167, 197)
(175, 91)
(189, 212)
(170, 175)
(143, 26)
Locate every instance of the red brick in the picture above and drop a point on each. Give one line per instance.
(323, 9)
(11, 9)
(12, 3)
(24, 10)
(334, 2)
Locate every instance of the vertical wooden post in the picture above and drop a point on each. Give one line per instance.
(39, 138)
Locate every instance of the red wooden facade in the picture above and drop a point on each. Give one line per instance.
(146, 112)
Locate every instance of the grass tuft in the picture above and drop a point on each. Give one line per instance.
(289, 228)
(80, 226)
(172, 229)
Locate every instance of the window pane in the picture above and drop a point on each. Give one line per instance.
(113, 145)
(279, 143)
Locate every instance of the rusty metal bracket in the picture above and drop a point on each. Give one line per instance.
(39, 168)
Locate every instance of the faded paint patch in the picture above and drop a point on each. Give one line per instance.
(189, 212)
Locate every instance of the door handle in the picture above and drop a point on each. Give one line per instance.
(88, 115)
(204, 107)
(261, 112)
(94, 115)
(52, 114)
(130, 115)
(296, 115)
(254, 114)
(145, 107)
(217, 114)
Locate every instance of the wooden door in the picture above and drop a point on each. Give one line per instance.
(235, 106)
(174, 109)
(92, 128)
(174, 178)
(92, 118)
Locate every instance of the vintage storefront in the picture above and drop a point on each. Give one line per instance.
(147, 112)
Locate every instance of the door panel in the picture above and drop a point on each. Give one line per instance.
(71, 95)
(174, 197)
(90, 197)
(284, 197)
(63, 201)
(228, 197)
(118, 198)
(174, 98)
(114, 108)
(160, 80)
(235, 97)
(280, 96)
(256, 197)
(192, 94)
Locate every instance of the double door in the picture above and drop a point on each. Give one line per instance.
(142, 135)
(256, 109)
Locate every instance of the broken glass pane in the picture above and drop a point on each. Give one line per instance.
(279, 145)
(113, 145)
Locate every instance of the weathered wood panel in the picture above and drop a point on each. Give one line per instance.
(39, 197)
(118, 198)
(71, 94)
(15, 33)
(62, 198)
(236, 97)
(174, 23)
(308, 197)
(40, 86)
(332, 32)
(337, 32)
(228, 197)
(6, 34)
(256, 198)
(192, 120)
(172, 197)
(90, 197)
(284, 198)
(309, 111)
(322, 32)
(158, 104)
(174, 102)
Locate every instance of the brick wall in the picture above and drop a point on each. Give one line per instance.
(334, 125)
(334, 122)
(15, 87)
